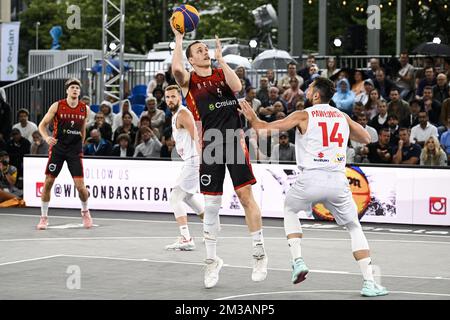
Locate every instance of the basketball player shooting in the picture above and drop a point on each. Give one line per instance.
(210, 97)
(322, 133)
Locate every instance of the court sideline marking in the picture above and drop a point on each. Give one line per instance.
(306, 227)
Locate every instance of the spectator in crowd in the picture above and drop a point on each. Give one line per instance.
(371, 106)
(250, 97)
(263, 92)
(363, 97)
(380, 151)
(431, 106)
(305, 72)
(17, 147)
(157, 116)
(39, 146)
(273, 82)
(159, 81)
(150, 146)
(440, 90)
(125, 106)
(413, 119)
(96, 145)
(86, 100)
(445, 110)
(300, 106)
(101, 125)
(123, 148)
(160, 103)
(380, 120)
(359, 155)
(358, 85)
(107, 109)
(331, 68)
(421, 132)
(291, 73)
(146, 122)
(428, 81)
(275, 110)
(383, 84)
(168, 149)
(432, 153)
(5, 116)
(374, 66)
(358, 109)
(350, 153)
(241, 73)
(266, 111)
(127, 127)
(314, 72)
(427, 62)
(405, 77)
(344, 98)
(405, 152)
(292, 95)
(26, 127)
(8, 175)
(284, 150)
(394, 129)
(398, 106)
(445, 140)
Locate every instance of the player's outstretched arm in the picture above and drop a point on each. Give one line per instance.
(231, 77)
(294, 119)
(357, 132)
(48, 118)
(178, 70)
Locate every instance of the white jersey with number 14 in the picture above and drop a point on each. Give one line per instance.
(324, 145)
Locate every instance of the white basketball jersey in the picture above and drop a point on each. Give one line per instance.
(183, 142)
(324, 145)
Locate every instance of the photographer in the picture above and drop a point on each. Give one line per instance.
(8, 175)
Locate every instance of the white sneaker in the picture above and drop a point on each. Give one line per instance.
(212, 272)
(259, 263)
(182, 244)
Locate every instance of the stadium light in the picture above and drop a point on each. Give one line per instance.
(337, 42)
(253, 43)
(437, 40)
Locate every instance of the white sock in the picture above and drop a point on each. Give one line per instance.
(211, 249)
(44, 209)
(184, 230)
(295, 247)
(366, 268)
(257, 237)
(84, 206)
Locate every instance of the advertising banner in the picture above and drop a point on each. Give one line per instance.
(9, 35)
(384, 195)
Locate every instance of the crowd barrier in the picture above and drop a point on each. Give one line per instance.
(395, 195)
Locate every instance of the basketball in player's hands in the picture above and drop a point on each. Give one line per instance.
(185, 18)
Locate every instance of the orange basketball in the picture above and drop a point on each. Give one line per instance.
(360, 191)
(185, 18)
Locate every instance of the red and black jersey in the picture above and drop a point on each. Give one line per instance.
(212, 101)
(67, 125)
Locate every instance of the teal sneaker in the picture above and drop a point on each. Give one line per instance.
(372, 289)
(299, 271)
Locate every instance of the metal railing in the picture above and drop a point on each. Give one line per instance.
(38, 92)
